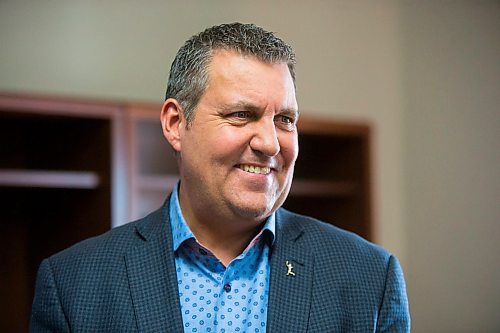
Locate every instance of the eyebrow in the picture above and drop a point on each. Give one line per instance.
(240, 105)
(246, 106)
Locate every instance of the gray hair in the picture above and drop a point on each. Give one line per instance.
(189, 75)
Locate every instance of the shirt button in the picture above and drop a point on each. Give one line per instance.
(227, 287)
(202, 252)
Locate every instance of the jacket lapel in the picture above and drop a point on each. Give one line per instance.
(290, 288)
(152, 277)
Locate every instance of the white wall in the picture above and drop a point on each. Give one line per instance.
(452, 159)
(424, 74)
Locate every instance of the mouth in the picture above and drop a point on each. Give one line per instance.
(259, 170)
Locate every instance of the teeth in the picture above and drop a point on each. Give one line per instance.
(255, 169)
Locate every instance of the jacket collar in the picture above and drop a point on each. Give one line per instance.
(290, 287)
(153, 280)
(152, 277)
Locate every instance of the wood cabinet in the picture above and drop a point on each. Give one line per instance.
(332, 174)
(71, 169)
(58, 185)
(153, 169)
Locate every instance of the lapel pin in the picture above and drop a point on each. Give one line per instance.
(289, 269)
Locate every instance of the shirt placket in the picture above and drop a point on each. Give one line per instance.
(228, 317)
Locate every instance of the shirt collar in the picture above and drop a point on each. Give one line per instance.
(181, 231)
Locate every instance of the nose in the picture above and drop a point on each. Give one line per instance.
(265, 138)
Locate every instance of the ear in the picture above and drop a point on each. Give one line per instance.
(172, 120)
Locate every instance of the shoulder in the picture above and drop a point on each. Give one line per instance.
(108, 247)
(332, 244)
(350, 273)
(359, 266)
(91, 279)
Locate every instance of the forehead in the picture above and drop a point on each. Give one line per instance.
(224, 60)
(233, 75)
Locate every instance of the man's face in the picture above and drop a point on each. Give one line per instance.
(237, 156)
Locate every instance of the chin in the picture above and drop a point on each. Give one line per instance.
(258, 213)
(254, 206)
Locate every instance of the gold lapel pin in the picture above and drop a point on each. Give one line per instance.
(289, 269)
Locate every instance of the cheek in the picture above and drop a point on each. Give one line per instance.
(230, 139)
(289, 148)
(209, 141)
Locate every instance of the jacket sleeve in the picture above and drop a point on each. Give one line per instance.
(394, 315)
(47, 314)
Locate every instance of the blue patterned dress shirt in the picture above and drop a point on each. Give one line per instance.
(215, 298)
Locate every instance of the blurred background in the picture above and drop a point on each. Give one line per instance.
(424, 75)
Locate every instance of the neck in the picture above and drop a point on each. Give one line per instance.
(225, 236)
(223, 244)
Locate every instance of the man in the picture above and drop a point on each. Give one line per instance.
(221, 255)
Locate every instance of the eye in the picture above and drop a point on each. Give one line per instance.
(285, 119)
(241, 114)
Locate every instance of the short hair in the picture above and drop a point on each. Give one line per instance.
(189, 75)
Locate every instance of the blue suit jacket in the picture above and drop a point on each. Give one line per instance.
(125, 281)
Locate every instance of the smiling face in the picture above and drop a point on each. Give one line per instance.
(237, 156)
